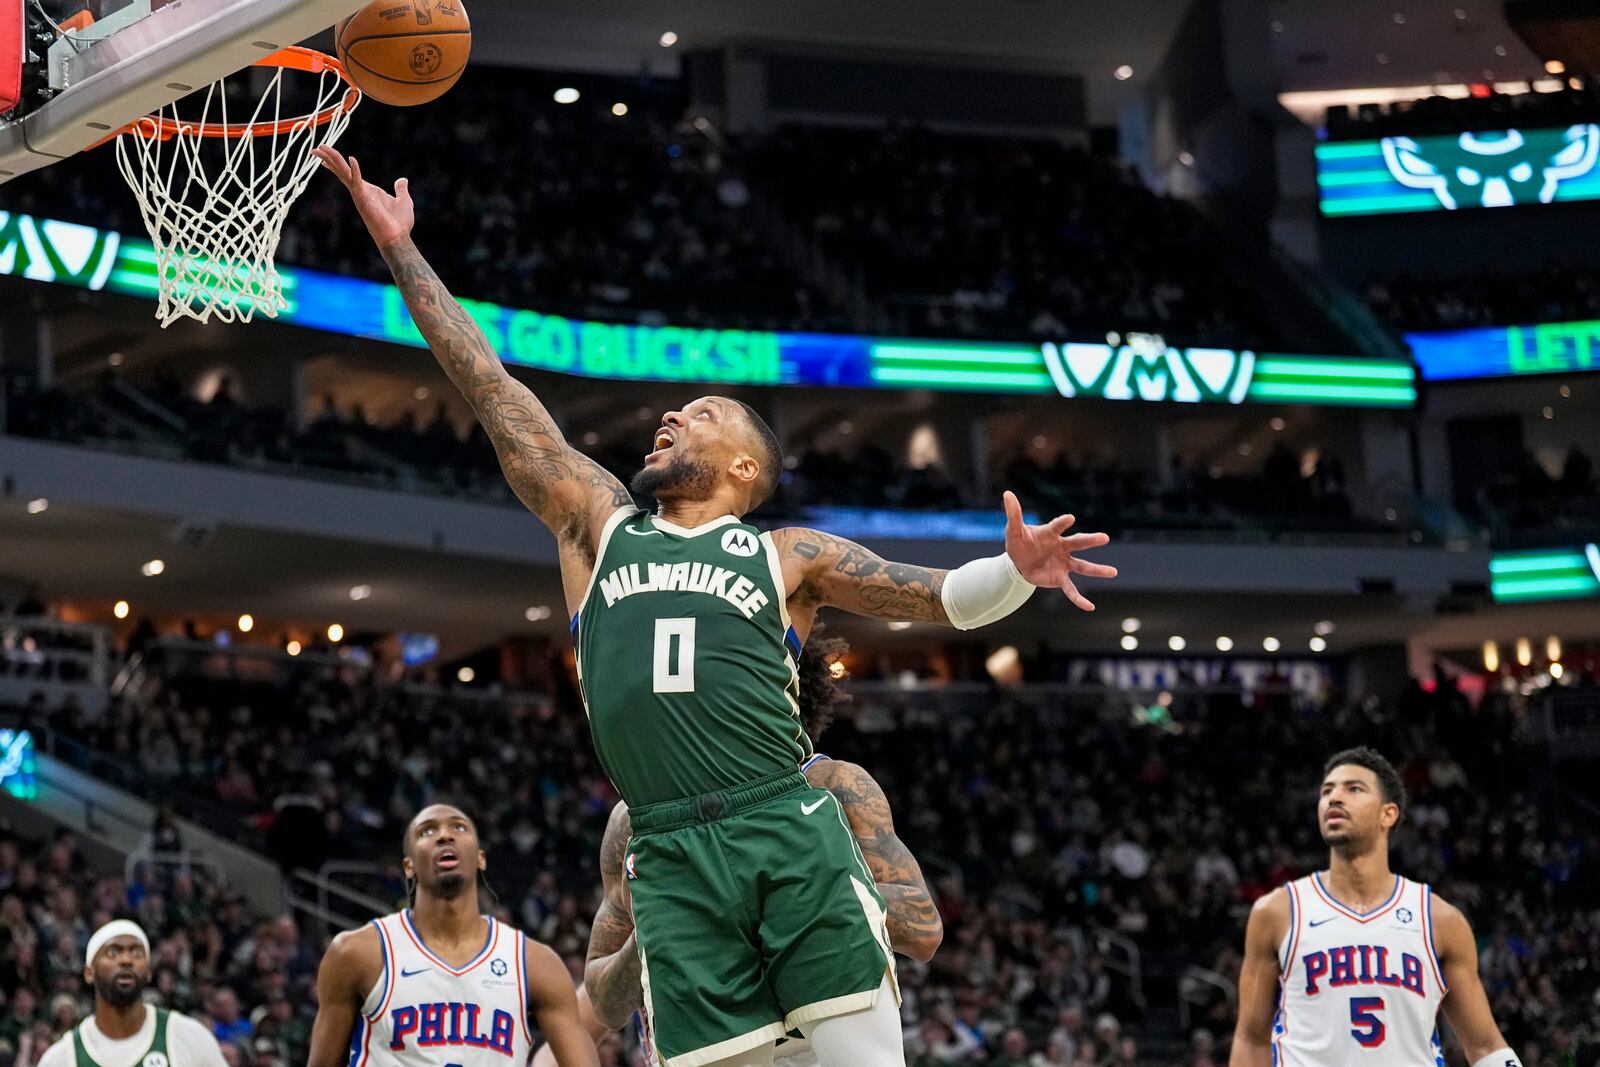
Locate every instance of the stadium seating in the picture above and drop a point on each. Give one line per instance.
(1130, 843)
(574, 210)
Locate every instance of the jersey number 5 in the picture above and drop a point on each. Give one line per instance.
(1367, 1028)
(674, 656)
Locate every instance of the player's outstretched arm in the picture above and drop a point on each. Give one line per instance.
(555, 1006)
(915, 928)
(1466, 1004)
(821, 570)
(569, 491)
(349, 969)
(1258, 981)
(612, 973)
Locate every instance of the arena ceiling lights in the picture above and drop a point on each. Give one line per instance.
(1138, 367)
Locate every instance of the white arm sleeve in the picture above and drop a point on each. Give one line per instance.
(59, 1054)
(984, 591)
(1500, 1058)
(192, 1044)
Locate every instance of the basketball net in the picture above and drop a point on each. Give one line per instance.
(215, 194)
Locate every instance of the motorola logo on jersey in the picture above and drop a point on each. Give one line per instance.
(1361, 965)
(740, 543)
(451, 1024)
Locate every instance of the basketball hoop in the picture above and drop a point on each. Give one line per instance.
(214, 207)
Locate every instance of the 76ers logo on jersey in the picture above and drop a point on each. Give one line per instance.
(1361, 965)
(451, 1024)
(740, 543)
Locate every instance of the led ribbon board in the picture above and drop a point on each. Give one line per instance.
(1498, 168)
(17, 764)
(1139, 367)
(1550, 574)
(1498, 351)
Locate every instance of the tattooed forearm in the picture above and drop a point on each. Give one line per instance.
(842, 574)
(915, 928)
(612, 974)
(556, 482)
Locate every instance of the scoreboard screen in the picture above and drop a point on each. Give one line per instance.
(1458, 172)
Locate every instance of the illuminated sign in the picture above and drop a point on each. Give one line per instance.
(1496, 351)
(17, 767)
(1140, 367)
(1559, 574)
(1499, 168)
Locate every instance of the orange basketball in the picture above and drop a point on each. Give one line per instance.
(405, 52)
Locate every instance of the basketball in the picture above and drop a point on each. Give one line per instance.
(405, 52)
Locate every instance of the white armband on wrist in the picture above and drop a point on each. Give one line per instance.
(984, 591)
(1500, 1058)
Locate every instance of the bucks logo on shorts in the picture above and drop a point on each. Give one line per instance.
(686, 658)
(1494, 169)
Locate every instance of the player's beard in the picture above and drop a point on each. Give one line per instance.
(450, 885)
(680, 476)
(119, 996)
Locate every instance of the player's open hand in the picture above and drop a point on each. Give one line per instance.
(1047, 555)
(389, 218)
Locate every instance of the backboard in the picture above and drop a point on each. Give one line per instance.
(138, 56)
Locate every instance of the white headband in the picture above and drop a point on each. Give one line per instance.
(115, 928)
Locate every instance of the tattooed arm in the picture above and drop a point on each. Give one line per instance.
(823, 570)
(570, 492)
(612, 974)
(915, 928)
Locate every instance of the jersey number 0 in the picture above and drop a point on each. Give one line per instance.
(674, 656)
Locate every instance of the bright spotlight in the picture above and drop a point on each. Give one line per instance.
(567, 95)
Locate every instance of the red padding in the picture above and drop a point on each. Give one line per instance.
(10, 54)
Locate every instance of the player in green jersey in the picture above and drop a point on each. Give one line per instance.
(755, 912)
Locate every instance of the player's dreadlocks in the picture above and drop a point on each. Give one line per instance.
(819, 690)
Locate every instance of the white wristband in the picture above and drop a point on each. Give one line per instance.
(1500, 1058)
(984, 591)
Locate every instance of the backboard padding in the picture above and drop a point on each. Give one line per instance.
(180, 47)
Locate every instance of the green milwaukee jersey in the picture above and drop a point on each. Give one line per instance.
(686, 658)
(156, 1056)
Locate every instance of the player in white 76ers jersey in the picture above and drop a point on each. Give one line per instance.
(440, 985)
(1350, 966)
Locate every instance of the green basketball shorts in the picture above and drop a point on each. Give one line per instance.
(755, 914)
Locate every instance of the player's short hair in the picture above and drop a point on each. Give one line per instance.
(768, 451)
(820, 694)
(1390, 788)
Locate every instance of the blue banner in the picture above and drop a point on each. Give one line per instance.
(1503, 351)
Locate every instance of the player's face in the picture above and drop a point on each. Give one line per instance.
(1352, 810)
(690, 450)
(445, 858)
(120, 971)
